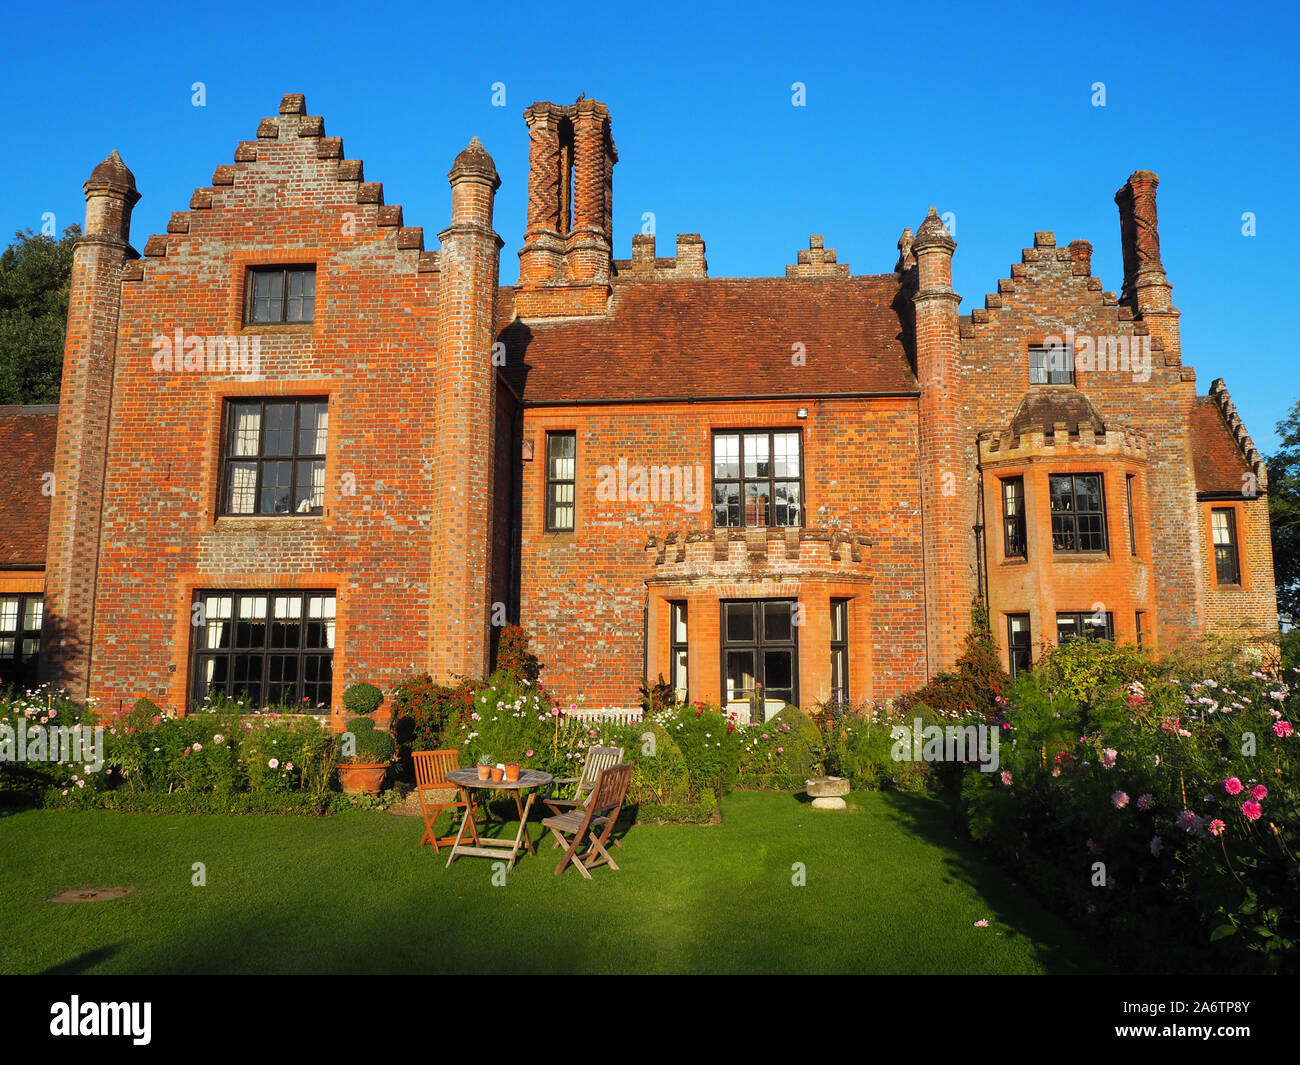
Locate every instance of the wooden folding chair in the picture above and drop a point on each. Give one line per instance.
(431, 768)
(582, 823)
(598, 758)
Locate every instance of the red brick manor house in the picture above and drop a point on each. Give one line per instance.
(296, 449)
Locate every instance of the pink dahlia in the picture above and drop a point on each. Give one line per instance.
(1282, 729)
(1251, 810)
(1217, 827)
(1232, 785)
(1259, 792)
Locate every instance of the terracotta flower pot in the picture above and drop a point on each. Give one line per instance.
(496, 775)
(361, 778)
(512, 772)
(484, 772)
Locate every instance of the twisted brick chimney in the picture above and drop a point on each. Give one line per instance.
(565, 263)
(1146, 288)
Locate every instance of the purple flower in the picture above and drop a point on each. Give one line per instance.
(1119, 800)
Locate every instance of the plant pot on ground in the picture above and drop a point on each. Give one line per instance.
(364, 762)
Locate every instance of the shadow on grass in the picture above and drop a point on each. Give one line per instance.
(82, 962)
(1014, 907)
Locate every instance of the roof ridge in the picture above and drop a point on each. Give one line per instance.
(1237, 428)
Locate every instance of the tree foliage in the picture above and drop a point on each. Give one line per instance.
(1284, 514)
(35, 272)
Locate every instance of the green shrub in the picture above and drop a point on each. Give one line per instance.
(781, 753)
(362, 698)
(372, 746)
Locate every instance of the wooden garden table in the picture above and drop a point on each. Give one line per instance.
(482, 847)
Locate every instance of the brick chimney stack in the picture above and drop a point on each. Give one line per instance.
(946, 504)
(464, 388)
(85, 401)
(565, 263)
(1146, 288)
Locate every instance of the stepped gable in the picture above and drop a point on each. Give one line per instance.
(720, 337)
(1222, 451)
(290, 150)
(27, 437)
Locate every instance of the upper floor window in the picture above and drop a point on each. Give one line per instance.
(274, 456)
(280, 295)
(1052, 365)
(1013, 518)
(561, 454)
(1078, 520)
(1227, 565)
(757, 479)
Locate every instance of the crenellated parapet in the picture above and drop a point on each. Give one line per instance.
(1061, 440)
(767, 553)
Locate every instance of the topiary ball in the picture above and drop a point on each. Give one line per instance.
(362, 698)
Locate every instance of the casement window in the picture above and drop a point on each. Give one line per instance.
(274, 456)
(267, 648)
(1227, 564)
(1014, 544)
(840, 651)
(1019, 650)
(1085, 626)
(760, 653)
(1051, 365)
(20, 639)
(1139, 623)
(561, 452)
(1132, 525)
(678, 651)
(1078, 517)
(757, 479)
(280, 295)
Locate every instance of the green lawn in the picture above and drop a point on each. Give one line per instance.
(889, 890)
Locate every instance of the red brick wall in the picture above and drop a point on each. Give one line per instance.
(584, 594)
(290, 198)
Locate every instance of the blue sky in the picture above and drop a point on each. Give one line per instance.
(988, 115)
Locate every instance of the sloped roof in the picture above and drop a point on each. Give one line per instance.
(27, 437)
(717, 337)
(1216, 458)
(1042, 408)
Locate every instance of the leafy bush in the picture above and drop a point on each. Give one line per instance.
(976, 680)
(514, 659)
(779, 754)
(423, 709)
(1152, 804)
(362, 698)
(372, 746)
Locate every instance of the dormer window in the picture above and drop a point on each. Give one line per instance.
(1051, 365)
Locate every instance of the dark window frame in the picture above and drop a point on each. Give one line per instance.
(1082, 630)
(1014, 528)
(1018, 649)
(1063, 518)
(250, 293)
(1132, 524)
(1043, 375)
(229, 460)
(1138, 615)
(551, 505)
(840, 650)
(758, 646)
(1226, 554)
(19, 668)
(679, 608)
(200, 653)
(771, 480)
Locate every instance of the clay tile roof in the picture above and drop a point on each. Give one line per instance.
(1216, 459)
(720, 337)
(27, 442)
(1043, 408)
